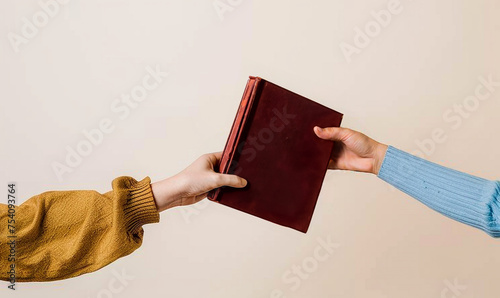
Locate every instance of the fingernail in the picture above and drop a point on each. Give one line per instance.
(319, 129)
(244, 182)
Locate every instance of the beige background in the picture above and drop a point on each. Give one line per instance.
(397, 89)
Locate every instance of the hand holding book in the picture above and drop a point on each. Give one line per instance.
(273, 146)
(353, 150)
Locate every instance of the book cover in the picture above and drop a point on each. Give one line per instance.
(273, 146)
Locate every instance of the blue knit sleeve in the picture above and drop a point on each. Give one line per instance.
(468, 199)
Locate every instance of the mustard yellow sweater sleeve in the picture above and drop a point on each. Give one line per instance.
(63, 234)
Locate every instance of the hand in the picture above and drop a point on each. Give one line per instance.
(353, 150)
(193, 183)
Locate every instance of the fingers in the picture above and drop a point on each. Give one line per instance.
(333, 133)
(212, 157)
(218, 155)
(230, 180)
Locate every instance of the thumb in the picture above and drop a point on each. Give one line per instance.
(230, 180)
(333, 133)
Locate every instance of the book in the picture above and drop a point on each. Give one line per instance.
(273, 146)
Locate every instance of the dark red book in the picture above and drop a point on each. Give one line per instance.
(273, 146)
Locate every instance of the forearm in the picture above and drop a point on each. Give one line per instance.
(468, 199)
(62, 234)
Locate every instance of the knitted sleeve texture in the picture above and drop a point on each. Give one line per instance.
(468, 199)
(63, 234)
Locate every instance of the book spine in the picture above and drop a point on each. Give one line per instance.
(236, 129)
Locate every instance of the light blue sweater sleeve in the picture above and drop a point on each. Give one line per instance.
(468, 199)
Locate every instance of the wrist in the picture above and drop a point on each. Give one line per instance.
(379, 156)
(168, 193)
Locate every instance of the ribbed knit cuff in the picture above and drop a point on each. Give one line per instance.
(460, 196)
(140, 208)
